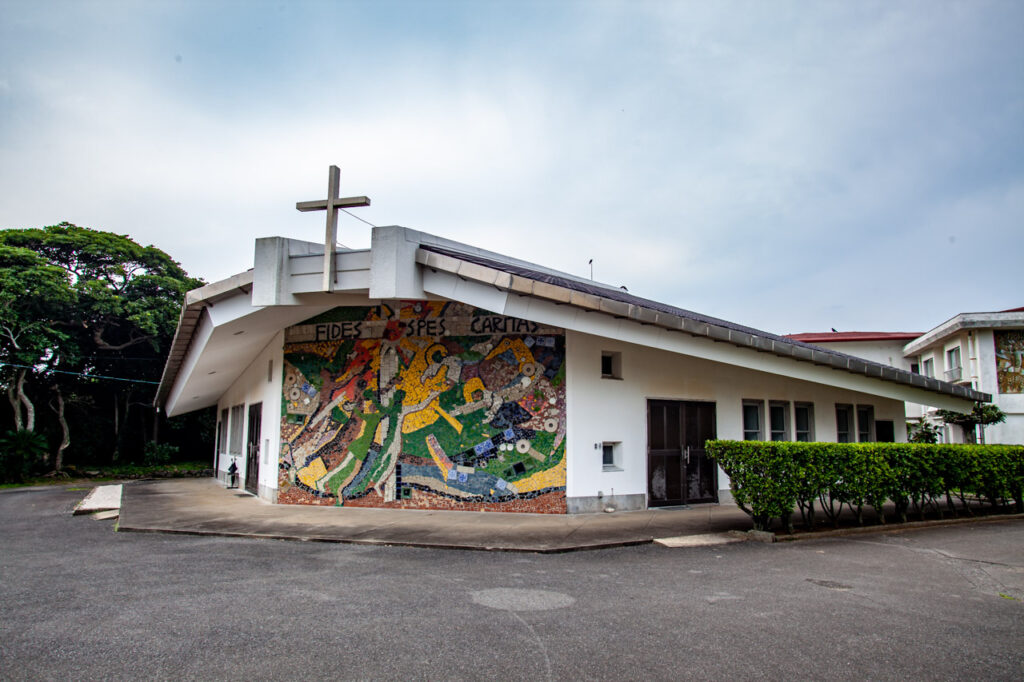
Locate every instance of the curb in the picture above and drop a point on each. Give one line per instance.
(388, 543)
(893, 527)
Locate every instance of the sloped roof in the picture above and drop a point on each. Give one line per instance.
(518, 278)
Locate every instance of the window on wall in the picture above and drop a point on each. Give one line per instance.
(844, 423)
(610, 456)
(611, 365)
(865, 423)
(222, 432)
(237, 414)
(804, 417)
(928, 368)
(778, 420)
(953, 368)
(885, 431)
(753, 416)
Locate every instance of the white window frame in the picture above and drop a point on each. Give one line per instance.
(851, 422)
(810, 422)
(613, 448)
(784, 433)
(759, 404)
(237, 430)
(614, 359)
(870, 410)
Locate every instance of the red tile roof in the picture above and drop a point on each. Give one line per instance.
(827, 337)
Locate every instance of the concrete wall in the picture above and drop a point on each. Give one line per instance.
(615, 410)
(253, 386)
(979, 369)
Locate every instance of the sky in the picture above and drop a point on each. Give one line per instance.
(792, 166)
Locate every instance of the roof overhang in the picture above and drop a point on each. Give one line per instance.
(620, 304)
(964, 321)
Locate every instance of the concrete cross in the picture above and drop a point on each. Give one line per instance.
(331, 204)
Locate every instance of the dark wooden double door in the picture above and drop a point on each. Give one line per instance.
(678, 468)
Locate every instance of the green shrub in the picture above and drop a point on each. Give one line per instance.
(158, 453)
(770, 479)
(21, 453)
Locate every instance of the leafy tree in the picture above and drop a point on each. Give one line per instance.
(78, 305)
(922, 432)
(982, 413)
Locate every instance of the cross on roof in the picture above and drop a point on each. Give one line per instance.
(331, 204)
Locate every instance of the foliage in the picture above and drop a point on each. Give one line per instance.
(769, 479)
(78, 305)
(981, 413)
(21, 452)
(922, 432)
(158, 453)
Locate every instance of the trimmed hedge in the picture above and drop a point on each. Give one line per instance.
(774, 479)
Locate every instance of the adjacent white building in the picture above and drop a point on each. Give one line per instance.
(982, 351)
(434, 374)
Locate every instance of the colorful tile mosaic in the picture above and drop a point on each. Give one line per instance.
(425, 405)
(1010, 360)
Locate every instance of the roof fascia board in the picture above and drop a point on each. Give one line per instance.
(706, 348)
(558, 294)
(961, 322)
(200, 337)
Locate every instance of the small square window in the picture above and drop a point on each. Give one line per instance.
(610, 456)
(611, 365)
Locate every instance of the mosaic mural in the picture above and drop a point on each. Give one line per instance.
(429, 405)
(1010, 361)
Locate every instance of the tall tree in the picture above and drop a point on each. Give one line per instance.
(87, 305)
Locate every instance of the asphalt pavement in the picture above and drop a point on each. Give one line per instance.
(80, 601)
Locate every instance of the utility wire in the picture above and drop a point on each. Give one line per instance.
(358, 218)
(87, 376)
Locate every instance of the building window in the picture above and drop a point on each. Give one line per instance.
(753, 416)
(222, 433)
(928, 368)
(610, 456)
(953, 367)
(611, 364)
(235, 446)
(804, 413)
(885, 431)
(778, 420)
(915, 368)
(844, 423)
(865, 423)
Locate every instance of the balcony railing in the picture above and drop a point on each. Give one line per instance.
(953, 375)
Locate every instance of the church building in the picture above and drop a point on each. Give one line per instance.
(423, 373)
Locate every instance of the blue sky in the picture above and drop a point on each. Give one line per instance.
(791, 166)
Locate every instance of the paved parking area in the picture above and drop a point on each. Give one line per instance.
(78, 600)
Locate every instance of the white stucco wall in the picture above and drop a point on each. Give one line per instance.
(978, 359)
(615, 410)
(252, 386)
